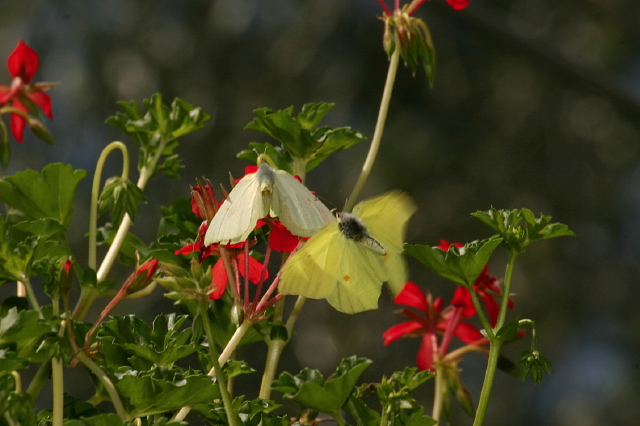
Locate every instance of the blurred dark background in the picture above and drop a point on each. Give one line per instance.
(536, 104)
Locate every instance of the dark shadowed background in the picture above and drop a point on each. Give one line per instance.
(536, 104)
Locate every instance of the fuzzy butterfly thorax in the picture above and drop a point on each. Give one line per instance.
(266, 177)
(353, 228)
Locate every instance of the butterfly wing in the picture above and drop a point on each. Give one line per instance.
(386, 218)
(239, 213)
(360, 277)
(296, 207)
(311, 271)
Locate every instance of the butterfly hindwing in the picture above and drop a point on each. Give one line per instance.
(311, 272)
(296, 207)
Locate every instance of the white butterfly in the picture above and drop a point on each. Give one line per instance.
(267, 192)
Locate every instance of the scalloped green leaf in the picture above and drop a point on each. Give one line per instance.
(160, 390)
(46, 194)
(461, 265)
(310, 390)
(520, 227)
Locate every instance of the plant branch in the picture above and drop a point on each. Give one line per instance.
(377, 134)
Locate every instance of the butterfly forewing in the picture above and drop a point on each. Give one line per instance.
(239, 213)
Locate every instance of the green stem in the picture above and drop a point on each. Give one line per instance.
(377, 134)
(88, 295)
(106, 382)
(440, 387)
(32, 296)
(276, 346)
(39, 379)
(496, 344)
(57, 378)
(232, 345)
(203, 306)
(274, 351)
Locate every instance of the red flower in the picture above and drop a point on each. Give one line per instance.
(487, 288)
(429, 321)
(219, 277)
(204, 203)
(23, 64)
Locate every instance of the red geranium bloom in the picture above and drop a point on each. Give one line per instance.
(219, 277)
(487, 288)
(429, 321)
(23, 64)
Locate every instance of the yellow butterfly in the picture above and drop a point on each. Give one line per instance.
(267, 192)
(349, 259)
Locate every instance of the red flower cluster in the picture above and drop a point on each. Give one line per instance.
(429, 319)
(23, 64)
(204, 204)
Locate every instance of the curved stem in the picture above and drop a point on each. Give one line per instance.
(377, 134)
(106, 382)
(95, 192)
(88, 295)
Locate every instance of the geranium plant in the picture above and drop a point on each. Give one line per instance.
(231, 259)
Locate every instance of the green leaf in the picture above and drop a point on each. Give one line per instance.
(280, 156)
(158, 128)
(17, 250)
(333, 140)
(253, 413)
(120, 196)
(48, 194)
(163, 344)
(18, 327)
(310, 390)
(161, 390)
(519, 228)
(302, 141)
(108, 419)
(461, 265)
(131, 244)
(361, 414)
(10, 361)
(509, 331)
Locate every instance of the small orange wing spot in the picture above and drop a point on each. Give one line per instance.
(346, 278)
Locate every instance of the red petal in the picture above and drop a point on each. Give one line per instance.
(400, 330)
(411, 295)
(424, 360)
(280, 239)
(43, 101)
(255, 268)
(462, 299)
(218, 280)
(17, 121)
(23, 62)
(467, 332)
(458, 4)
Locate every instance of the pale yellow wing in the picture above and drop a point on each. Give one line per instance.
(386, 218)
(296, 207)
(239, 213)
(361, 274)
(311, 271)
